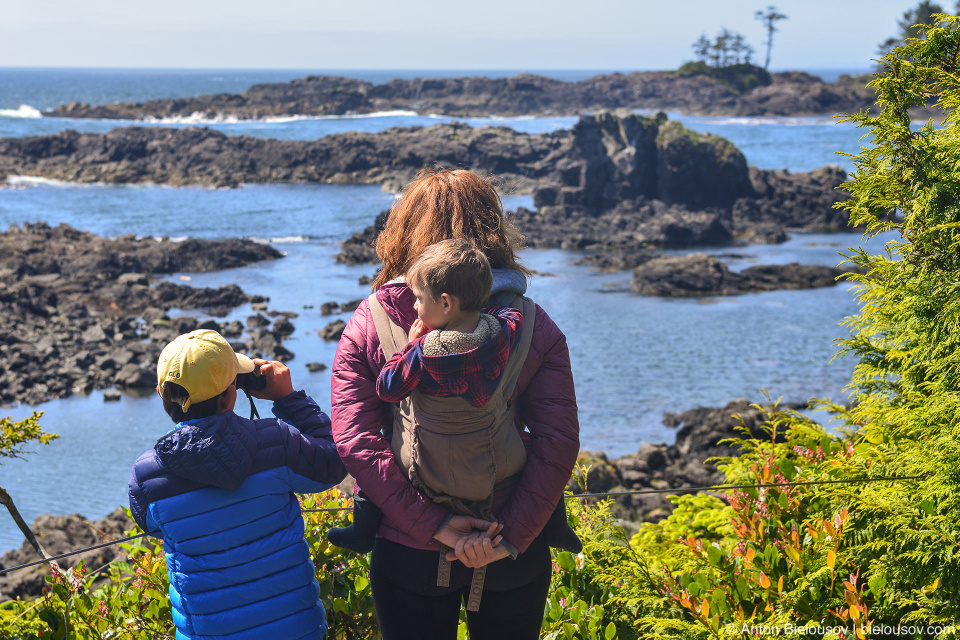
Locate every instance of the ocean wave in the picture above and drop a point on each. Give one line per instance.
(170, 238)
(374, 114)
(280, 240)
(198, 117)
(23, 182)
(37, 181)
(788, 121)
(23, 111)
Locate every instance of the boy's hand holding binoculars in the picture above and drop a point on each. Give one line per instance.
(269, 381)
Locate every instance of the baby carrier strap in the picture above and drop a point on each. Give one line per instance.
(511, 372)
(392, 337)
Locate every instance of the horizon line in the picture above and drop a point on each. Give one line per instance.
(404, 69)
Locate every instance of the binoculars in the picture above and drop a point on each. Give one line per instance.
(252, 381)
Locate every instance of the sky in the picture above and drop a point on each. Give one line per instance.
(431, 34)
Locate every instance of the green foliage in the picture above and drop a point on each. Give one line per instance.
(123, 600)
(772, 557)
(852, 554)
(907, 382)
(739, 77)
(586, 601)
(343, 575)
(911, 25)
(14, 435)
(129, 599)
(728, 48)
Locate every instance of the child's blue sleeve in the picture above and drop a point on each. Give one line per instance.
(308, 443)
(301, 411)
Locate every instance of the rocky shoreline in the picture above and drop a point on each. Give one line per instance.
(792, 93)
(700, 435)
(654, 466)
(79, 312)
(611, 183)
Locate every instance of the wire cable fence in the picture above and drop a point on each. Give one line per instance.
(604, 494)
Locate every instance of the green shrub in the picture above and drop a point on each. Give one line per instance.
(129, 599)
(737, 77)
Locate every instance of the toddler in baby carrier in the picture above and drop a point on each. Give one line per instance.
(454, 451)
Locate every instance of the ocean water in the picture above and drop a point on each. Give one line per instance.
(801, 144)
(633, 358)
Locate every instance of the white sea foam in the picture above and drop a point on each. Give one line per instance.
(798, 121)
(198, 117)
(37, 181)
(280, 240)
(23, 111)
(374, 114)
(524, 117)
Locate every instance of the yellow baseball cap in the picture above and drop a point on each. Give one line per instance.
(201, 362)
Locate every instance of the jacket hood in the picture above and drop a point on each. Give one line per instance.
(217, 451)
(397, 298)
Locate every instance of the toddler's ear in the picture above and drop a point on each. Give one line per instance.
(450, 303)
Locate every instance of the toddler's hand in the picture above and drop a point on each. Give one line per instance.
(418, 329)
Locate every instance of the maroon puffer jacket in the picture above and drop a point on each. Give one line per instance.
(548, 408)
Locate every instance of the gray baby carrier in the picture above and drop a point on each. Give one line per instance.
(455, 453)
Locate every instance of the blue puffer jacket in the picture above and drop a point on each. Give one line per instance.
(220, 492)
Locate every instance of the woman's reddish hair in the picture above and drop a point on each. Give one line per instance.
(444, 204)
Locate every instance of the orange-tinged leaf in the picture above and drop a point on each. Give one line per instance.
(750, 554)
(764, 581)
(780, 584)
(855, 612)
(705, 609)
(831, 559)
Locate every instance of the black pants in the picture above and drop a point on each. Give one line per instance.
(410, 605)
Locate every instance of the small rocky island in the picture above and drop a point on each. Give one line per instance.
(791, 93)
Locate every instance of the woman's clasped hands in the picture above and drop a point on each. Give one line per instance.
(473, 541)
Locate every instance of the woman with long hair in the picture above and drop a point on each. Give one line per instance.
(441, 205)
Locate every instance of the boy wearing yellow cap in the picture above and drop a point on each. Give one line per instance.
(220, 490)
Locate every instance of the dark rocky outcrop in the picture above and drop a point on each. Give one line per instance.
(614, 185)
(192, 156)
(676, 466)
(611, 184)
(78, 312)
(698, 274)
(790, 93)
(60, 534)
